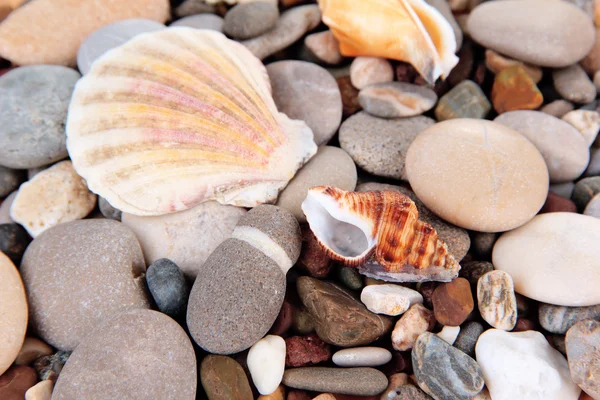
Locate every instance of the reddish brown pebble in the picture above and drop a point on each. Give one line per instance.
(405, 73)
(284, 320)
(15, 382)
(556, 203)
(302, 351)
(585, 396)
(298, 395)
(515, 90)
(350, 104)
(312, 258)
(523, 325)
(452, 302)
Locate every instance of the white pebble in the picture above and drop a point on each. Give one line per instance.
(362, 357)
(389, 299)
(449, 334)
(40, 391)
(266, 362)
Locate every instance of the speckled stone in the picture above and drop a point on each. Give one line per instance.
(313, 259)
(352, 381)
(98, 262)
(558, 319)
(249, 20)
(307, 92)
(13, 241)
(584, 190)
(413, 323)
(379, 145)
(34, 126)
(453, 302)
(496, 300)
(50, 367)
(573, 84)
(168, 287)
(201, 21)
(583, 351)
(350, 277)
(224, 378)
(10, 179)
(467, 337)
(396, 99)
(149, 352)
(302, 351)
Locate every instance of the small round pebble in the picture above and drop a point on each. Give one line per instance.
(593, 207)
(389, 299)
(324, 46)
(573, 84)
(201, 21)
(367, 71)
(266, 362)
(224, 378)
(396, 99)
(587, 123)
(168, 287)
(5, 208)
(449, 334)
(362, 357)
(248, 20)
(584, 190)
(558, 108)
(350, 278)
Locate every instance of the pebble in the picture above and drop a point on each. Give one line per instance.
(501, 195)
(584, 190)
(302, 351)
(15, 382)
(556, 203)
(13, 241)
(389, 299)
(482, 244)
(402, 388)
(34, 126)
(444, 372)
(452, 302)
(362, 357)
(573, 84)
(558, 108)
(32, 349)
(396, 99)
(514, 89)
(303, 322)
(496, 62)
(201, 21)
(150, 354)
(593, 207)
(307, 92)
(352, 381)
(350, 277)
(98, 262)
(533, 31)
(325, 47)
(107, 210)
(193, 7)
(496, 300)
(587, 123)
(50, 367)
(564, 149)
(339, 318)
(240, 288)
(367, 71)
(13, 309)
(465, 100)
(593, 168)
(5, 209)
(284, 320)
(456, 238)
(266, 363)
(467, 337)
(224, 378)
(168, 287)
(523, 365)
(69, 23)
(313, 259)
(591, 62)
(249, 20)
(583, 351)
(291, 26)
(553, 259)
(379, 145)
(350, 104)
(449, 334)
(54, 196)
(188, 237)
(473, 270)
(558, 319)
(10, 179)
(563, 189)
(414, 322)
(110, 36)
(40, 391)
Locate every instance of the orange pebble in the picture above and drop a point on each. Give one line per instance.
(515, 90)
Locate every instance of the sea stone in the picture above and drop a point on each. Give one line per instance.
(558, 319)
(468, 336)
(107, 210)
(149, 352)
(413, 323)
(584, 190)
(16, 381)
(553, 259)
(350, 104)
(25, 38)
(266, 363)
(302, 351)
(400, 387)
(500, 172)
(201, 21)
(168, 287)
(367, 71)
(10, 179)
(587, 123)
(496, 300)
(324, 46)
(307, 92)
(523, 365)
(339, 318)
(33, 131)
(583, 352)
(379, 145)
(389, 299)
(350, 277)
(290, 27)
(352, 381)
(558, 108)
(465, 100)
(32, 349)
(78, 274)
(556, 203)
(313, 259)
(396, 99)
(13, 241)
(224, 378)
(249, 20)
(13, 313)
(187, 237)
(362, 357)
(496, 62)
(573, 84)
(40, 391)
(452, 302)
(533, 31)
(50, 367)
(449, 334)
(444, 372)
(515, 90)
(54, 196)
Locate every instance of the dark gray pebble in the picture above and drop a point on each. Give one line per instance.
(14, 239)
(467, 337)
(168, 287)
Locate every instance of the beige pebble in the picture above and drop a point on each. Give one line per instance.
(41, 391)
(32, 349)
(53, 196)
(573, 84)
(496, 62)
(366, 71)
(496, 300)
(586, 121)
(558, 108)
(415, 321)
(325, 47)
(396, 99)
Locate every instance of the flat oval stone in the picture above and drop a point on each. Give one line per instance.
(307, 92)
(78, 274)
(558, 319)
(201, 21)
(248, 20)
(564, 149)
(583, 351)
(496, 300)
(110, 36)
(13, 313)
(396, 99)
(402, 388)
(362, 357)
(477, 174)
(168, 287)
(224, 378)
(331, 166)
(150, 354)
(351, 381)
(573, 84)
(554, 259)
(33, 132)
(533, 31)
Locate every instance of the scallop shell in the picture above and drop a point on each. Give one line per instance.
(380, 233)
(405, 30)
(181, 116)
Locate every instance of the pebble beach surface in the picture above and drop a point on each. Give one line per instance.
(299, 199)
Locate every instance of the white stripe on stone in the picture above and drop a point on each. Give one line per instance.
(264, 243)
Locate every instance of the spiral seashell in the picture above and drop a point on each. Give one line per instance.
(378, 232)
(181, 116)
